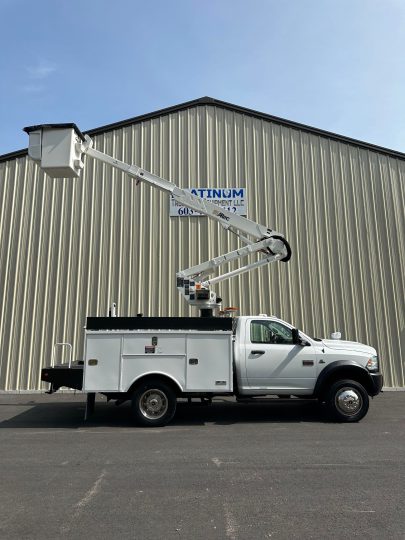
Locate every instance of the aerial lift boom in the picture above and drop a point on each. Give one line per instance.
(59, 150)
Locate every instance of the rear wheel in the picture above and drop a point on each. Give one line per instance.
(347, 401)
(153, 404)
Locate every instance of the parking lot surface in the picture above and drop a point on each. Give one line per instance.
(235, 471)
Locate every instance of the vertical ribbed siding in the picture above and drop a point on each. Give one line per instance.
(71, 247)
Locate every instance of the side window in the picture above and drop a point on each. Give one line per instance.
(281, 334)
(270, 332)
(260, 332)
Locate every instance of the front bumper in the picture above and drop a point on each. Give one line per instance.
(376, 383)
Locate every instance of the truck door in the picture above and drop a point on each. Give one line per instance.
(274, 362)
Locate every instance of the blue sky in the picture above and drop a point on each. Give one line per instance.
(333, 64)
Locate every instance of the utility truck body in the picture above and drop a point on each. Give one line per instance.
(196, 361)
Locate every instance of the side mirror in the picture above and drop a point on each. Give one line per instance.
(296, 338)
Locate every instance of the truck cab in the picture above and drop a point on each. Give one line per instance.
(273, 357)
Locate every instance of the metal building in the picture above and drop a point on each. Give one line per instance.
(68, 248)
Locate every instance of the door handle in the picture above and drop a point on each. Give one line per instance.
(258, 352)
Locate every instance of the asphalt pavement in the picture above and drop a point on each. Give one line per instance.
(227, 471)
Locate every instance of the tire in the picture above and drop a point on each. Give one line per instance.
(153, 404)
(346, 401)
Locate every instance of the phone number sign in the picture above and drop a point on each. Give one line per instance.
(231, 199)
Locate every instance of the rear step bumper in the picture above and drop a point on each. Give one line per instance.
(63, 375)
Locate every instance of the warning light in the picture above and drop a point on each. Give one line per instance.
(230, 311)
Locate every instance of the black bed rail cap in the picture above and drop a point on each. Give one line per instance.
(159, 323)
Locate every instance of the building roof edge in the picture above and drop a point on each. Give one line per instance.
(206, 100)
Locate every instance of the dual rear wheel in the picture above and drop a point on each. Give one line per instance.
(153, 404)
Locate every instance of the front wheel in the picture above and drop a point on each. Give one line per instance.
(153, 404)
(347, 401)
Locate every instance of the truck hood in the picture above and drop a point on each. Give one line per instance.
(339, 344)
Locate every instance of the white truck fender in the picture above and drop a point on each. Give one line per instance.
(154, 374)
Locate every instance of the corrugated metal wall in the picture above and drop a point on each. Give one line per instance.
(71, 247)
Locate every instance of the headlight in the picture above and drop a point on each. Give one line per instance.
(372, 363)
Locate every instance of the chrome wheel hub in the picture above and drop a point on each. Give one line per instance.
(348, 401)
(153, 404)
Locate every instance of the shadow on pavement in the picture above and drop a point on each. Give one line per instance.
(70, 415)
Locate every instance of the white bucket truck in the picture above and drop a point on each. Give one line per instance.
(153, 361)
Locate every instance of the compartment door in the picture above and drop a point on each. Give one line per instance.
(103, 355)
(209, 363)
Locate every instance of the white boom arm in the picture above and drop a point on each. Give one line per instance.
(59, 148)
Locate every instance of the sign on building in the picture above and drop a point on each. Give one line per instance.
(231, 199)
